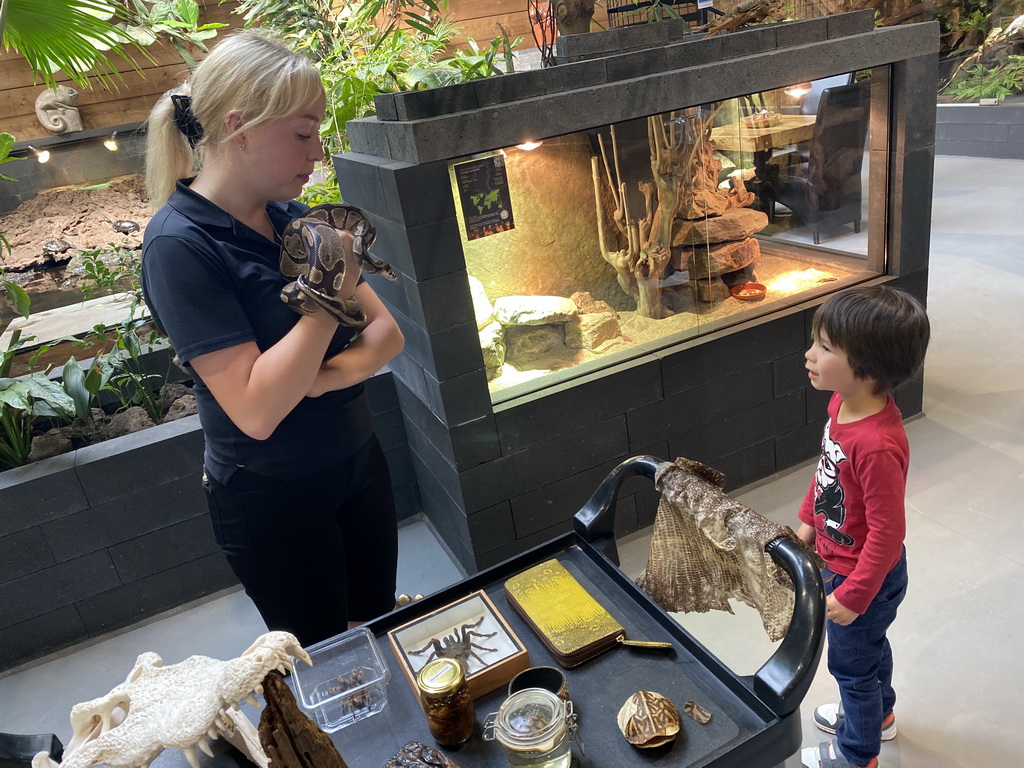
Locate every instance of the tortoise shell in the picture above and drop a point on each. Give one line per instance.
(124, 226)
(648, 719)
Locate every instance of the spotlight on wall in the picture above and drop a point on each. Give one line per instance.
(111, 142)
(42, 155)
(528, 145)
(798, 90)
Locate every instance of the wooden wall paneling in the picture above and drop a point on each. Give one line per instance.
(127, 101)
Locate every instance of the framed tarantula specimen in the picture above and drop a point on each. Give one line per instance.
(471, 630)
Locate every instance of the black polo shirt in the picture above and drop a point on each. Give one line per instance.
(210, 283)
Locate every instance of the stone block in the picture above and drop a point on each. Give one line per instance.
(542, 507)
(380, 388)
(790, 411)
(725, 354)
(578, 404)
(462, 399)
(442, 301)
(407, 501)
(157, 593)
(727, 436)
(390, 430)
(22, 553)
(423, 427)
(492, 528)
(798, 446)
(163, 549)
(475, 442)
(40, 635)
(369, 136)
(386, 106)
(817, 404)
(416, 105)
(125, 518)
(914, 207)
(910, 397)
(423, 251)
(417, 194)
(638, 63)
(979, 132)
(400, 466)
(40, 492)
(55, 587)
(789, 374)
(751, 464)
(139, 461)
(750, 41)
(456, 351)
(790, 33)
(491, 483)
(571, 453)
(359, 181)
(700, 406)
(853, 23)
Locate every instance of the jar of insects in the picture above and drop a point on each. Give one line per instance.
(535, 728)
(444, 695)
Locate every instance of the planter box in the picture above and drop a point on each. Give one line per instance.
(974, 130)
(116, 532)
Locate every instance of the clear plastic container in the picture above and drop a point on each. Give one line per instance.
(347, 682)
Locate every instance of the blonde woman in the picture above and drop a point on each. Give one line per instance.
(297, 484)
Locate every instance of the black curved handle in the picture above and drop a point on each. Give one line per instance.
(595, 521)
(784, 679)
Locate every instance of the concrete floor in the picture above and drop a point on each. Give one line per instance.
(957, 641)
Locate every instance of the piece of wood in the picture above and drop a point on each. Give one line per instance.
(288, 736)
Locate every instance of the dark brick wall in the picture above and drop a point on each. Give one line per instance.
(497, 479)
(976, 131)
(119, 531)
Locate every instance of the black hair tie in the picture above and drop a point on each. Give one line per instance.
(185, 119)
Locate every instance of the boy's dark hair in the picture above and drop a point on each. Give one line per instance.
(883, 331)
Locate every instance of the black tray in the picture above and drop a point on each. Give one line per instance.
(755, 722)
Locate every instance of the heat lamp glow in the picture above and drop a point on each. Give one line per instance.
(792, 282)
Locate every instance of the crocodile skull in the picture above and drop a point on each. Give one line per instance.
(179, 706)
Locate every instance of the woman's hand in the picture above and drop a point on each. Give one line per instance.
(379, 341)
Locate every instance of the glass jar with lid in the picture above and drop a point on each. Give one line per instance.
(535, 728)
(444, 695)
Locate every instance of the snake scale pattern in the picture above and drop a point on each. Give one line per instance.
(325, 274)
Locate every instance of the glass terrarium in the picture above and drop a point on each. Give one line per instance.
(592, 247)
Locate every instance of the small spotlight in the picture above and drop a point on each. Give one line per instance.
(42, 155)
(528, 145)
(111, 142)
(798, 90)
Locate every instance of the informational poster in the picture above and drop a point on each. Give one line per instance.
(483, 191)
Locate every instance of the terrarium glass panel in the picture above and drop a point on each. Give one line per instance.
(590, 248)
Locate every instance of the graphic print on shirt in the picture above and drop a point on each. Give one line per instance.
(829, 496)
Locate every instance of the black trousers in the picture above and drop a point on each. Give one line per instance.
(316, 552)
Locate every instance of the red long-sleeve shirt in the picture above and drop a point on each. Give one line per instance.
(856, 500)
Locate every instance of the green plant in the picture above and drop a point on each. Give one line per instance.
(981, 82)
(19, 298)
(173, 20)
(83, 386)
(66, 35)
(22, 401)
(113, 270)
(366, 48)
(128, 379)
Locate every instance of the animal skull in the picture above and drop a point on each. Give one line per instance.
(179, 706)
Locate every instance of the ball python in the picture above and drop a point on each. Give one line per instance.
(325, 273)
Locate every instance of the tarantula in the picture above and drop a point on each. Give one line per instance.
(457, 645)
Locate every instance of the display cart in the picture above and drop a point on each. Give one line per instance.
(755, 719)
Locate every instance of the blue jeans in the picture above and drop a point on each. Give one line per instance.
(860, 659)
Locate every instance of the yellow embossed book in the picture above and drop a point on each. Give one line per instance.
(567, 619)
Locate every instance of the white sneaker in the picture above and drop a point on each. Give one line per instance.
(828, 718)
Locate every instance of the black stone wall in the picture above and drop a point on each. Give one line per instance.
(497, 479)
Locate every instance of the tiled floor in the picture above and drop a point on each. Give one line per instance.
(959, 668)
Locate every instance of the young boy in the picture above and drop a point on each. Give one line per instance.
(866, 342)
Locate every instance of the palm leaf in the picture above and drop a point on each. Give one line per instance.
(67, 35)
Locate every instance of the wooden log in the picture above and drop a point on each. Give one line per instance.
(289, 737)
